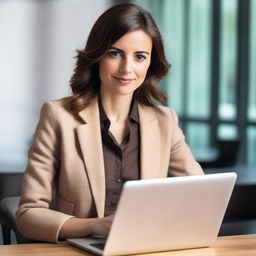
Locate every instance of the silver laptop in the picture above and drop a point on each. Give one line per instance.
(165, 214)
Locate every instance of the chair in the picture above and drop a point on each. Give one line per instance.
(10, 188)
(8, 207)
(10, 184)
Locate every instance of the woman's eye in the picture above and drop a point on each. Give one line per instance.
(114, 53)
(140, 57)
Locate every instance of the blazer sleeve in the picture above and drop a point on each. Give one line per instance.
(34, 218)
(182, 162)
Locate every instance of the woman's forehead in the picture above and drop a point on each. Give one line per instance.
(137, 40)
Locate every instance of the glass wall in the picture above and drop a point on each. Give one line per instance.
(252, 73)
(197, 47)
(198, 136)
(199, 56)
(227, 132)
(188, 48)
(173, 18)
(170, 22)
(251, 151)
(228, 58)
(251, 131)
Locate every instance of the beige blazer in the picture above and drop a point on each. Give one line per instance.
(66, 154)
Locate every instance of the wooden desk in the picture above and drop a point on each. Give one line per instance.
(225, 246)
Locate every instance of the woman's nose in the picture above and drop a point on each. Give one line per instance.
(126, 66)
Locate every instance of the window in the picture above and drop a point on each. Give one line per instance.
(199, 50)
(228, 56)
(252, 73)
(251, 130)
(251, 136)
(212, 82)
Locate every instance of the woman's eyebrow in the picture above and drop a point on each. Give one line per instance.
(140, 52)
(137, 52)
(117, 49)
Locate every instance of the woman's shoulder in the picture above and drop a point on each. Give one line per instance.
(162, 113)
(57, 105)
(160, 108)
(57, 109)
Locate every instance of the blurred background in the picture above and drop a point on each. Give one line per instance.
(211, 45)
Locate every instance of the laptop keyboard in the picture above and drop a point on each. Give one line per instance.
(98, 245)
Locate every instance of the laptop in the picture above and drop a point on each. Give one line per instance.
(165, 214)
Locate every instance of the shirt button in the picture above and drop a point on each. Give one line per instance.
(113, 204)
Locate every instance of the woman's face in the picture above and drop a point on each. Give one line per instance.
(125, 66)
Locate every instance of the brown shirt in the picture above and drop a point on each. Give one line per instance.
(122, 162)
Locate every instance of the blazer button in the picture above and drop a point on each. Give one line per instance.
(118, 180)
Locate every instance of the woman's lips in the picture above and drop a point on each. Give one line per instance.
(123, 80)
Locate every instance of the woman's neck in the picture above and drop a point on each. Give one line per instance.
(116, 107)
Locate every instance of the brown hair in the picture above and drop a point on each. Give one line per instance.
(110, 26)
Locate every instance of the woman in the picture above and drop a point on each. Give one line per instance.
(86, 146)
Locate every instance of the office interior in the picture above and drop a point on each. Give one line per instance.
(211, 45)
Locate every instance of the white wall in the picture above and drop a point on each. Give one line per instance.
(38, 40)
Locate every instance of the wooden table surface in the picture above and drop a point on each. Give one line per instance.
(244, 245)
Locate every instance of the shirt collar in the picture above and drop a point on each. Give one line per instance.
(103, 116)
(134, 111)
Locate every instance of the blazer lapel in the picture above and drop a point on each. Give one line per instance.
(150, 143)
(89, 137)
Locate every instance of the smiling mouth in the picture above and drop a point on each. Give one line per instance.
(123, 80)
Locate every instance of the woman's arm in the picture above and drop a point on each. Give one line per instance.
(76, 227)
(182, 162)
(34, 218)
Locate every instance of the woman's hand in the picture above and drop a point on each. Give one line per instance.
(77, 227)
(102, 226)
